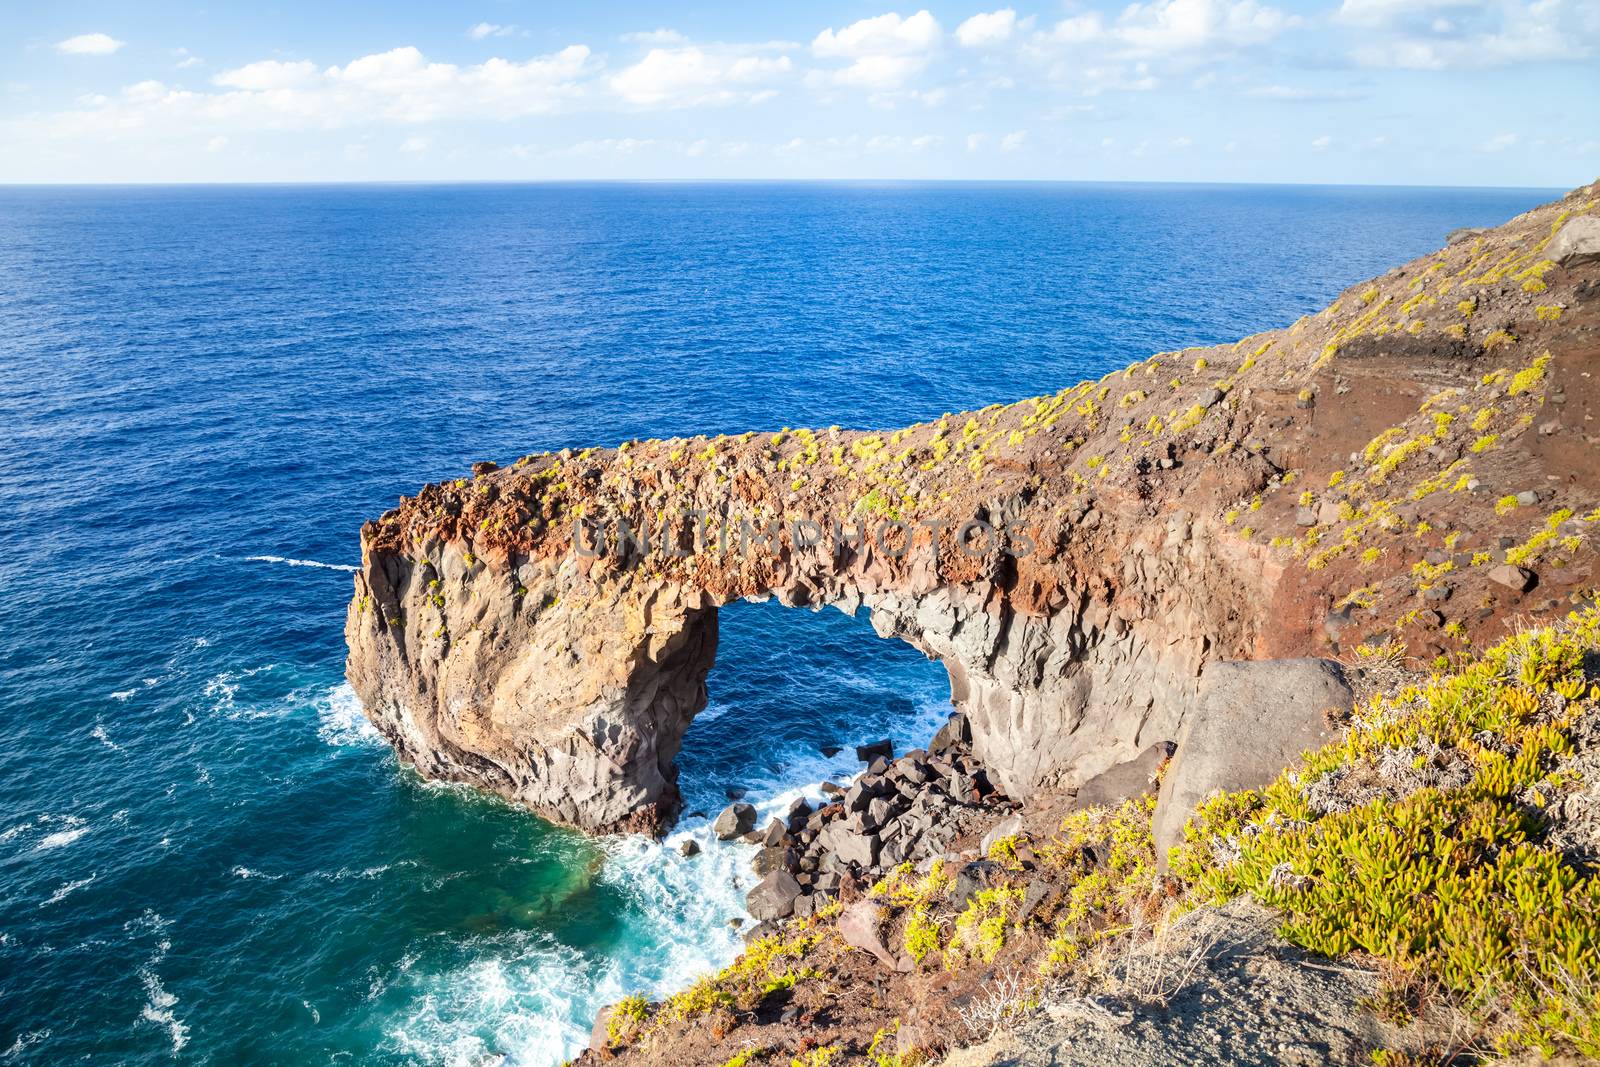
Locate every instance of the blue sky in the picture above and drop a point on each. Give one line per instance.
(1459, 92)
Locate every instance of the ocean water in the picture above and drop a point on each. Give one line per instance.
(205, 855)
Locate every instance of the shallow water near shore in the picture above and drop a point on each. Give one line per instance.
(206, 855)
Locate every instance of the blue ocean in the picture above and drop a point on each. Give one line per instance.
(205, 854)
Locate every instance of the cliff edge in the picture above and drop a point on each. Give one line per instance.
(1414, 467)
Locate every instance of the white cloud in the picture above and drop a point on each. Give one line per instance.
(398, 86)
(1296, 94)
(1322, 142)
(490, 29)
(216, 144)
(1499, 143)
(895, 144)
(884, 35)
(689, 76)
(1099, 54)
(1013, 141)
(186, 59)
(976, 141)
(1186, 25)
(268, 74)
(1416, 35)
(655, 37)
(991, 28)
(89, 44)
(1164, 27)
(1182, 142)
(885, 52)
(414, 145)
(1385, 13)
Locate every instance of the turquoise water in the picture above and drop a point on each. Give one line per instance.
(205, 856)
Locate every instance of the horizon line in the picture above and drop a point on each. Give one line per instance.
(435, 182)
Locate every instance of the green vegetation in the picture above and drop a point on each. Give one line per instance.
(1449, 880)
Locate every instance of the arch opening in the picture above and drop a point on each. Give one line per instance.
(792, 693)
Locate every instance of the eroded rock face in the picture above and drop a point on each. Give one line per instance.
(1296, 493)
(572, 696)
(514, 679)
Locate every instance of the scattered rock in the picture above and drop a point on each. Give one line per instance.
(969, 879)
(1517, 579)
(955, 733)
(773, 897)
(1007, 827)
(600, 1033)
(689, 847)
(736, 820)
(1576, 242)
(868, 753)
(861, 927)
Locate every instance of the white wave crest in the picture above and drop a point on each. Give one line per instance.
(526, 1000)
(24, 1042)
(65, 890)
(302, 563)
(340, 720)
(72, 828)
(158, 1011)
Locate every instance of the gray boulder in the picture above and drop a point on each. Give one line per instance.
(848, 846)
(868, 753)
(1576, 242)
(1250, 721)
(954, 734)
(773, 897)
(736, 820)
(1131, 779)
(878, 814)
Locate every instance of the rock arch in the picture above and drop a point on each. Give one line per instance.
(566, 683)
(1285, 495)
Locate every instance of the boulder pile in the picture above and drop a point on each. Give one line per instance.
(899, 810)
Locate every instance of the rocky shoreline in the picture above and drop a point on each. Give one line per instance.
(905, 809)
(1192, 572)
(912, 809)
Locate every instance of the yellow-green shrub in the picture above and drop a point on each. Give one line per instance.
(1451, 882)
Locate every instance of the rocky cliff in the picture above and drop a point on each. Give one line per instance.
(1414, 466)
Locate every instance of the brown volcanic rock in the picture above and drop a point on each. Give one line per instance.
(1153, 519)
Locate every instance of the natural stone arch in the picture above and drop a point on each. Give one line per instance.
(567, 683)
(1214, 503)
